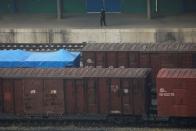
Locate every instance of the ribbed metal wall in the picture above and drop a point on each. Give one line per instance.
(79, 6)
(190, 5)
(42, 6)
(74, 6)
(36, 6)
(170, 6)
(134, 6)
(6, 6)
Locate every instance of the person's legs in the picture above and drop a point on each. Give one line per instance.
(101, 22)
(104, 21)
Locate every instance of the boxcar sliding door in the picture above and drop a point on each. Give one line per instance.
(121, 98)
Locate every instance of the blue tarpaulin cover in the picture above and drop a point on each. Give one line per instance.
(27, 59)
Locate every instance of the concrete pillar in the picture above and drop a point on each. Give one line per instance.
(157, 8)
(59, 9)
(149, 9)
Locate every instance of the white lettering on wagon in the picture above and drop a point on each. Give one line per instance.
(114, 88)
(32, 91)
(89, 61)
(163, 92)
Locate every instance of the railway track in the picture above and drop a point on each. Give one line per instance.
(72, 128)
(42, 46)
(96, 122)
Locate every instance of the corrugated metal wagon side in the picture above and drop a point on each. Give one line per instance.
(176, 92)
(33, 96)
(27, 92)
(12, 95)
(76, 91)
(53, 96)
(155, 56)
(89, 59)
(1, 96)
(8, 96)
(107, 91)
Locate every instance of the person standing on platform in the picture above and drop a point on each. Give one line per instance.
(103, 17)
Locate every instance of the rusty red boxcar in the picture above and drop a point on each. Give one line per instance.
(32, 96)
(176, 92)
(155, 56)
(75, 91)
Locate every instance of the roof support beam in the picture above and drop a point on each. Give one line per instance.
(149, 9)
(59, 9)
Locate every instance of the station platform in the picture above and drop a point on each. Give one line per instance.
(85, 28)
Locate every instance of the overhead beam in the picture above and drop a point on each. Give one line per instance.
(149, 9)
(59, 9)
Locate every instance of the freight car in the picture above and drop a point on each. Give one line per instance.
(75, 92)
(155, 56)
(117, 94)
(176, 92)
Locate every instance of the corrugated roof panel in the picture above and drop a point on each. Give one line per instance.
(124, 72)
(122, 46)
(193, 75)
(180, 74)
(94, 72)
(102, 46)
(100, 72)
(117, 46)
(170, 74)
(137, 73)
(140, 47)
(187, 74)
(177, 73)
(144, 47)
(74, 72)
